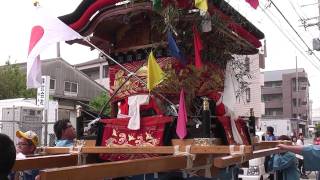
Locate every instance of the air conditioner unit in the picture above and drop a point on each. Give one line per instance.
(316, 44)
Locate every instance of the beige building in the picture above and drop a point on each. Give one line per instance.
(96, 70)
(251, 98)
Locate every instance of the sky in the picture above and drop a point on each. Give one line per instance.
(15, 17)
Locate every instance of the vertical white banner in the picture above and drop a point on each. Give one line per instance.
(43, 92)
(43, 101)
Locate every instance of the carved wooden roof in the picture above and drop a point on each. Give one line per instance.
(125, 27)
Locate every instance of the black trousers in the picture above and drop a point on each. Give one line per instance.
(301, 167)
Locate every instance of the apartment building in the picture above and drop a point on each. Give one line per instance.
(286, 96)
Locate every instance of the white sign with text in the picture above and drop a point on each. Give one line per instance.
(43, 92)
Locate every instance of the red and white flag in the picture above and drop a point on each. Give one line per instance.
(46, 30)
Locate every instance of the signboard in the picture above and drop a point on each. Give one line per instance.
(43, 92)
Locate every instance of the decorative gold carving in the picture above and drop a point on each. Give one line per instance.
(203, 141)
(122, 139)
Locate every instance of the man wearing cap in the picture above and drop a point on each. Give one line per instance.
(26, 146)
(27, 143)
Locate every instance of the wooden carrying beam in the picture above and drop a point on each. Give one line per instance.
(116, 169)
(269, 144)
(42, 162)
(222, 162)
(148, 150)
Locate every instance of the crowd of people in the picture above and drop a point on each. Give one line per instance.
(296, 159)
(289, 165)
(26, 146)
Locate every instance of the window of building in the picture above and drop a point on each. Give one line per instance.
(71, 87)
(52, 84)
(105, 71)
(267, 84)
(273, 111)
(248, 96)
(277, 84)
(272, 97)
(247, 63)
(294, 102)
(273, 84)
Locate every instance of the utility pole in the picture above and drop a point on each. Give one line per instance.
(58, 50)
(315, 41)
(297, 80)
(319, 14)
(297, 89)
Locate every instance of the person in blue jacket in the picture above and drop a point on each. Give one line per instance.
(285, 164)
(65, 133)
(310, 153)
(270, 136)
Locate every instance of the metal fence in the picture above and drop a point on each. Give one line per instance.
(9, 127)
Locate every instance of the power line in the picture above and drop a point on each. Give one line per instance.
(309, 49)
(309, 4)
(288, 38)
(295, 10)
(302, 18)
(291, 38)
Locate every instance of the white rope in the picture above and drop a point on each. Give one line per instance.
(240, 152)
(190, 157)
(71, 150)
(79, 154)
(233, 152)
(76, 149)
(208, 167)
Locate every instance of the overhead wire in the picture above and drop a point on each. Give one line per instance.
(281, 27)
(298, 14)
(309, 49)
(289, 39)
(292, 38)
(295, 10)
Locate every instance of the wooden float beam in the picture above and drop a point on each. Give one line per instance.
(115, 169)
(42, 162)
(219, 149)
(222, 162)
(269, 144)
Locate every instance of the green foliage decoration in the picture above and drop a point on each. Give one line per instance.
(98, 102)
(195, 82)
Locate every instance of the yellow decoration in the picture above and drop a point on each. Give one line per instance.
(155, 73)
(201, 4)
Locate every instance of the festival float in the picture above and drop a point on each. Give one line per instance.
(168, 66)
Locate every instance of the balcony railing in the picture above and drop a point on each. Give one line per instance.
(271, 90)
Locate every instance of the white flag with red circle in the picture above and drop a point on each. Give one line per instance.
(46, 30)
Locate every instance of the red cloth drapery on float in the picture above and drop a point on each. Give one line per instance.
(116, 133)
